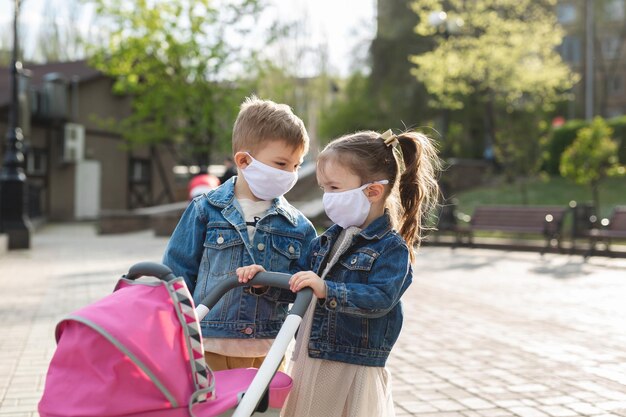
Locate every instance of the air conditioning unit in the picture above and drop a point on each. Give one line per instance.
(73, 143)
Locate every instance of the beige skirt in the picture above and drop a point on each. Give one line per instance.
(327, 389)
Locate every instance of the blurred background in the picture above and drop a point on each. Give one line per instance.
(122, 103)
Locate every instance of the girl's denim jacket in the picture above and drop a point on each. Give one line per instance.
(360, 319)
(211, 241)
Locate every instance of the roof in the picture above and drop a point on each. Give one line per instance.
(68, 69)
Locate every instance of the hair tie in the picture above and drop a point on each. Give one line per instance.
(389, 138)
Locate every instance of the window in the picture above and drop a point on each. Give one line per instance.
(566, 13)
(139, 171)
(36, 162)
(615, 85)
(611, 47)
(570, 49)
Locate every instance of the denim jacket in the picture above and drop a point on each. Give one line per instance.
(211, 241)
(360, 319)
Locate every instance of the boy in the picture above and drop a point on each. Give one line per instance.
(245, 221)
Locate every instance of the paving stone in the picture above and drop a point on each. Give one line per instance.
(486, 333)
(585, 409)
(558, 411)
(528, 412)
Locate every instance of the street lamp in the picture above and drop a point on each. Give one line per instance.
(14, 219)
(589, 73)
(452, 26)
(446, 26)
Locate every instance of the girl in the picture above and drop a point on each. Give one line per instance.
(358, 269)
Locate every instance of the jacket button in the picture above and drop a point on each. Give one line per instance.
(333, 303)
(220, 240)
(314, 253)
(248, 330)
(353, 261)
(291, 249)
(260, 246)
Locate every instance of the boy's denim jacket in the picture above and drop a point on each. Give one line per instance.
(211, 241)
(361, 317)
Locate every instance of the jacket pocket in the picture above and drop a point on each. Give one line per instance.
(222, 252)
(361, 260)
(287, 250)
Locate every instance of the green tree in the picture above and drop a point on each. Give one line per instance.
(173, 57)
(503, 61)
(592, 157)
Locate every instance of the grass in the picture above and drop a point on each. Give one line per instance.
(554, 191)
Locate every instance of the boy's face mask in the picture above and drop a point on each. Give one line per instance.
(349, 208)
(267, 182)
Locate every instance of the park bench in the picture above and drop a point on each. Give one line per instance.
(611, 228)
(541, 220)
(583, 221)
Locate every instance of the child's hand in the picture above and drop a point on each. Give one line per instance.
(246, 273)
(308, 279)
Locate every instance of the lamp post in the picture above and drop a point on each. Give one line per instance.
(447, 27)
(589, 47)
(14, 219)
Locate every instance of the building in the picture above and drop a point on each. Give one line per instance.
(76, 167)
(609, 53)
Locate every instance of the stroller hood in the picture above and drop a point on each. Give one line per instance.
(136, 351)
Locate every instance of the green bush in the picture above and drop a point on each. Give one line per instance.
(618, 124)
(561, 138)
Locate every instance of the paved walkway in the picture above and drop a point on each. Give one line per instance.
(487, 333)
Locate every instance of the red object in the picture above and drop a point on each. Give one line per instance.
(558, 121)
(202, 183)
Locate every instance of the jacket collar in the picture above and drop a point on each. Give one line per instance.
(224, 195)
(378, 228)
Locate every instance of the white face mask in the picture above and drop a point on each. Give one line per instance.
(267, 182)
(349, 208)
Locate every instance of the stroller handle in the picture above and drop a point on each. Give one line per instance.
(150, 269)
(270, 279)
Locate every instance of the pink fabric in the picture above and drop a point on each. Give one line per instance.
(88, 367)
(89, 376)
(231, 382)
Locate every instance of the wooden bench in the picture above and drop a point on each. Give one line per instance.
(611, 228)
(542, 220)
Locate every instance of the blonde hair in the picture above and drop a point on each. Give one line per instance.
(260, 121)
(409, 199)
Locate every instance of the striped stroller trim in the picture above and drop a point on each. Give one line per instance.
(204, 380)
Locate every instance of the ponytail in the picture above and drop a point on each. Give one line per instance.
(418, 188)
(412, 175)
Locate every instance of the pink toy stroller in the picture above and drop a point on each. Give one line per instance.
(138, 352)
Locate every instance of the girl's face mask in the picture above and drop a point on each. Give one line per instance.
(266, 182)
(349, 208)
